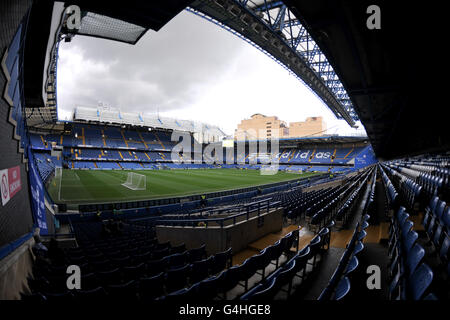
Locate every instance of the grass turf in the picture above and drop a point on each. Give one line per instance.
(100, 186)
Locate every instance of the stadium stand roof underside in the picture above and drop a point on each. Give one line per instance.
(332, 51)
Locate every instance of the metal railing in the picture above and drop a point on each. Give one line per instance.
(250, 210)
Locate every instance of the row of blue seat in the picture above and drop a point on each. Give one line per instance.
(294, 267)
(339, 285)
(346, 211)
(433, 179)
(411, 278)
(239, 275)
(436, 223)
(409, 190)
(391, 192)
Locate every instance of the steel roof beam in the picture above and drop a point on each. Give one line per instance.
(296, 52)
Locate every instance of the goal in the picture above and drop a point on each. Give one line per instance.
(135, 181)
(58, 180)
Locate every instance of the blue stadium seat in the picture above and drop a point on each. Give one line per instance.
(362, 234)
(151, 288)
(264, 259)
(444, 251)
(410, 240)
(352, 265)
(222, 260)
(420, 281)
(342, 289)
(286, 276)
(197, 254)
(414, 257)
(176, 278)
(231, 278)
(200, 269)
(359, 246)
(314, 246)
(267, 292)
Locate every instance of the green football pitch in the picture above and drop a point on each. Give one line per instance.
(100, 186)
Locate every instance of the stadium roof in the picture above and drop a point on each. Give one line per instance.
(388, 73)
(113, 20)
(108, 115)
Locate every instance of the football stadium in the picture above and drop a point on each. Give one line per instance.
(126, 205)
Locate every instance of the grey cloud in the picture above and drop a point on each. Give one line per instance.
(165, 69)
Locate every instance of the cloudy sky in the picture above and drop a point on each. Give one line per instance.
(190, 69)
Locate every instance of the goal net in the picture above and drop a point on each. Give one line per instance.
(58, 180)
(58, 172)
(135, 181)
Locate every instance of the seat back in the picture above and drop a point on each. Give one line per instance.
(207, 289)
(443, 253)
(431, 225)
(178, 249)
(359, 246)
(415, 256)
(364, 225)
(151, 288)
(277, 250)
(426, 219)
(134, 272)
(221, 261)
(177, 278)
(402, 218)
(160, 253)
(314, 245)
(362, 234)
(410, 240)
(420, 281)
(445, 218)
(163, 245)
(342, 289)
(177, 259)
(437, 235)
(433, 203)
(249, 267)
(440, 209)
(290, 241)
(232, 276)
(155, 267)
(267, 292)
(352, 265)
(200, 269)
(266, 257)
(284, 242)
(400, 213)
(178, 295)
(324, 234)
(287, 273)
(406, 227)
(197, 254)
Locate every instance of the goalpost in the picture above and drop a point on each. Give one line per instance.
(135, 181)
